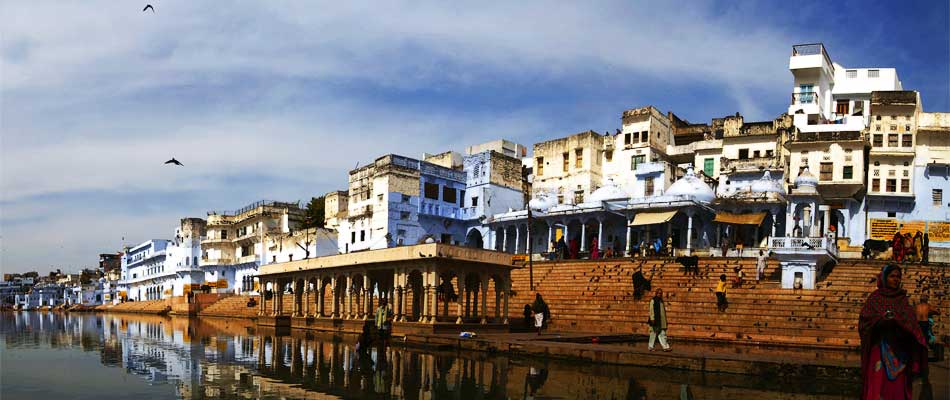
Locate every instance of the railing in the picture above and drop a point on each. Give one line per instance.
(749, 164)
(805, 98)
(795, 244)
(826, 136)
(254, 205)
(811, 49)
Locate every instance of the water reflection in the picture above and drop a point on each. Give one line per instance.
(235, 358)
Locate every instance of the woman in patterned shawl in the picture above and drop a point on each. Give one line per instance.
(892, 345)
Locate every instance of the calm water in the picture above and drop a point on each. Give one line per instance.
(87, 356)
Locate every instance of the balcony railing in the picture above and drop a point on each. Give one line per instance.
(805, 98)
(826, 136)
(749, 164)
(811, 49)
(804, 245)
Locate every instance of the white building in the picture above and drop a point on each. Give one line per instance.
(159, 269)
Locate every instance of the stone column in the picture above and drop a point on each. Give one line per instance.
(550, 245)
(334, 306)
(504, 240)
(280, 298)
(263, 309)
(497, 303)
(306, 300)
(424, 310)
(435, 301)
(583, 235)
(319, 300)
(367, 293)
(484, 309)
(689, 232)
(629, 236)
(461, 298)
(507, 290)
(827, 220)
(814, 220)
(350, 310)
(517, 238)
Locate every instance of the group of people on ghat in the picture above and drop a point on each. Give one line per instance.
(571, 249)
(911, 249)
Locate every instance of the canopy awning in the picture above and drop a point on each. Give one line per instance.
(740, 219)
(655, 217)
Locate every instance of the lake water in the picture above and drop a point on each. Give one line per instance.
(93, 356)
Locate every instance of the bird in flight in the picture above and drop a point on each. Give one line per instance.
(174, 161)
(147, 7)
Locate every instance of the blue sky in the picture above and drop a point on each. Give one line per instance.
(279, 100)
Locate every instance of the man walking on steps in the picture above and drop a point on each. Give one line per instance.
(657, 321)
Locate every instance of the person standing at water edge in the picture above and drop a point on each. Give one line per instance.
(657, 321)
(384, 321)
(540, 309)
(893, 348)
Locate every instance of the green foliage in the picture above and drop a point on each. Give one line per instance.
(315, 212)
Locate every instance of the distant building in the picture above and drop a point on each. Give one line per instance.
(110, 261)
(335, 208)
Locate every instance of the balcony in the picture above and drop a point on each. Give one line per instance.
(808, 56)
(216, 261)
(750, 164)
(831, 136)
(805, 98)
(808, 245)
(891, 151)
(650, 167)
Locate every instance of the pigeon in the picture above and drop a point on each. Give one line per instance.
(148, 7)
(808, 246)
(173, 160)
(422, 255)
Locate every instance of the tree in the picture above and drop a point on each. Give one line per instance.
(315, 212)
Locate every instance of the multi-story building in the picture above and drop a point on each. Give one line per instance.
(40, 295)
(637, 161)
(569, 168)
(399, 200)
(335, 206)
(234, 246)
(830, 108)
(502, 146)
(159, 268)
(890, 183)
(494, 183)
(109, 262)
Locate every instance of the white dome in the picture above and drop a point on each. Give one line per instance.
(543, 201)
(609, 191)
(767, 185)
(691, 185)
(806, 179)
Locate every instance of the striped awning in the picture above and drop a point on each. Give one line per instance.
(740, 219)
(649, 218)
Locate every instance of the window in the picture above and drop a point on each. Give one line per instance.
(224, 234)
(851, 73)
(905, 185)
(645, 136)
(578, 197)
(627, 138)
(649, 187)
(609, 155)
(461, 198)
(906, 173)
(878, 140)
(907, 140)
(874, 73)
(446, 238)
(353, 237)
(892, 214)
(404, 215)
(906, 128)
(405, 198)
(892, 140)
(579, 158)
(708, 165)
(560, 199)
(431, 191)
(806, 94)
(826, 173)
(540, 165)
(877, 127)
(938, 197)
(362, 235)
(841, 107)
(566, 158)
(891, 185)
(379, 197)
(848, 172)
(474, 201)
(743, 154)
(636, 160)
(755, 154)
(875, 185)
(893, 128)
(877, 117)
(769, 153)
(449, 195)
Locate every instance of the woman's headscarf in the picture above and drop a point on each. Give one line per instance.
(888, 299)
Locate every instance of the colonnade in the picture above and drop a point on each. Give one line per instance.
(414, 294)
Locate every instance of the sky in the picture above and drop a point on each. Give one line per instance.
(278, 100)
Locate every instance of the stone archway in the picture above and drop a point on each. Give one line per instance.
(474, 239)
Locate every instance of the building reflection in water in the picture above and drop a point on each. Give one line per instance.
(203, 358)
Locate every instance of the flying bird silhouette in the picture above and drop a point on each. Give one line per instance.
(174, 161)
(148, 7)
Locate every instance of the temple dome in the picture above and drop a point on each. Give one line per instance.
(691, 185)
(610, 191)
(767, 185)
(543, 201)
(806, 179)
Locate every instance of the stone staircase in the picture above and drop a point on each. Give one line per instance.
(597, 296)
(145, 307)
(233, 307)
